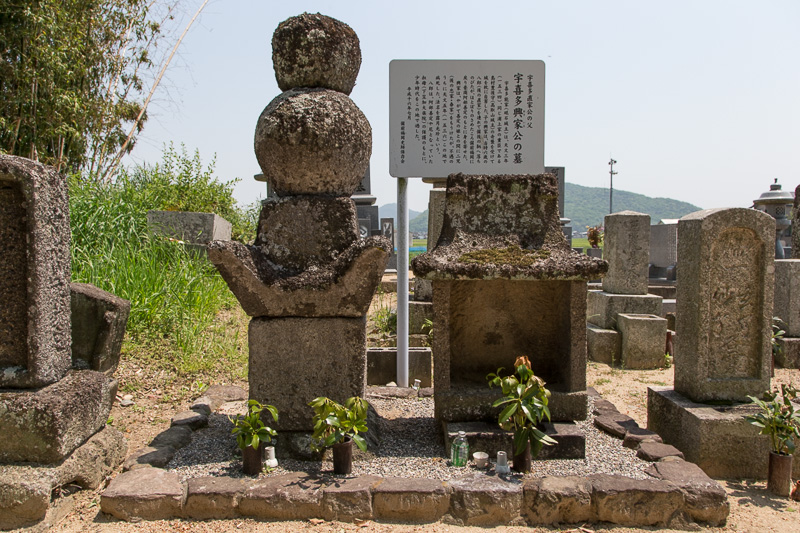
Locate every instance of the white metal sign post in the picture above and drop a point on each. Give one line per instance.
(470, 116)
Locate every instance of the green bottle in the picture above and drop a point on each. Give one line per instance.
(459, 450)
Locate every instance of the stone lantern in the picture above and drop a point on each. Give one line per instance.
(778, 204)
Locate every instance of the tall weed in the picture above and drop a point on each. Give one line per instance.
(176, 295)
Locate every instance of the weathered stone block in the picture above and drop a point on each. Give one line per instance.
(382, 365)
(213, 497)
(25, 489)
(313, 50)
(481, 500)
(663, 245)
(716, 438)
(282, 352)
(418, 313)
(342, 288)
(634, 502)
(616, 424)
(724, 304)
(194, 228)
(299, 232)
(472, 402)
(313, 141)
(176, 437)
(602, 308)
(35, 336)
(627, 250)
(294, 496)
(656, 451)
(788, 355)
(349, 499)
(144, 493)
(706, 500)
(410, 500)
(552, 500)
(643, 340)
(634, 437)
(226, 393)
(99, 319)
(46, 425)
(787, 295)
(603, 345)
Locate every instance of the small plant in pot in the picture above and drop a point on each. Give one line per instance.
(779, 421)
(524, 403)
(338, 426)
(251, 434)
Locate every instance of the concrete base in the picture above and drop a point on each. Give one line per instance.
(788, 355)
(25, 489)
(643, 340)
(603, 345)
(471, 402)
(716, 438)
(382, 366)
(294, 360)
(488, 437)
(602, 307)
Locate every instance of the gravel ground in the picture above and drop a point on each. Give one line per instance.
(408, 448)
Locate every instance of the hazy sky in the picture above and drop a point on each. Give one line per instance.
(697, 100)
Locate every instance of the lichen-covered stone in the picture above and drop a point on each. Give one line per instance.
(504, 227)
(35, 334)
(46, 425)
(313, 141)
(299, 232)
(313, 50)
(343, 288)
(99, 319)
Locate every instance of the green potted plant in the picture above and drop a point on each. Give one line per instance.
(338, 426)
(251, 434)
(779, 421)
(524, 403)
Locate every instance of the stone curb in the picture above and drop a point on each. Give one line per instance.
(477, 499)
(677, 493)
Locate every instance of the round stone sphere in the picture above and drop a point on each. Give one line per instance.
(315, 51)
(313, 141)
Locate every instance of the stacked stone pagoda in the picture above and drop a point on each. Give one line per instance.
(308, 280)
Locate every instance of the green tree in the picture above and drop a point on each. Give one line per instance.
(73, 76)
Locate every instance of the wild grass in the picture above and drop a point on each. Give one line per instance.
(183, 316)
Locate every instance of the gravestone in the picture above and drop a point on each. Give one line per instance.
(501, 253)
(723, 352)
(724, 304)
(309, 278)
(663, 249)
(787, 310)
(627, 250)
(52, 419)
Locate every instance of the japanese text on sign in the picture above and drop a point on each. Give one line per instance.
(478, 117)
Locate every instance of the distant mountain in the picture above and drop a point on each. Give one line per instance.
(587, 206)
(390, 211)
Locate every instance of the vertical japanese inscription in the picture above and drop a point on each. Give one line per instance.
(13, 277)
(734, 313)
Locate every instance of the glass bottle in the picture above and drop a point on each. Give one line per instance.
(459, 450)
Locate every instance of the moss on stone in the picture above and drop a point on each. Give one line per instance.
(510, 255)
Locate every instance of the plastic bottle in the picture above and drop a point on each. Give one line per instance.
(459, 450)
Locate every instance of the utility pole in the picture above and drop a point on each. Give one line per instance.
(611, 173)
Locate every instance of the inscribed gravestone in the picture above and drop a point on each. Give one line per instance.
(35, 335)
(627, 251)
(724, 304)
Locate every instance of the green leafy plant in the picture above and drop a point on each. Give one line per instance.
(777, 418)
(427, 328)
(250, 429)
(333, 422)
(525, 399)
(667, 361)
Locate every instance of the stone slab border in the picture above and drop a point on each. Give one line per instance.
(679, 492)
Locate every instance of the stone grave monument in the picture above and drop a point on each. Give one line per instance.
(506, 284)
(308, 280)
(624, 322)
(52, 418)
(723, 351)
(787, 310)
